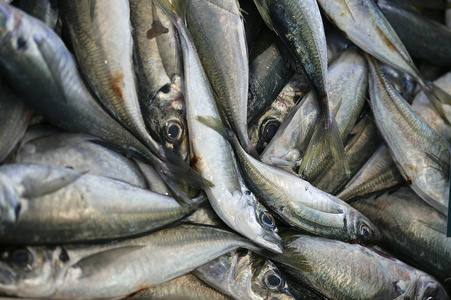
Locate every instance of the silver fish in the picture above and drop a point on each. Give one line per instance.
(377, 174)
(101, 34)
(213, 157)
(14, 118)
(82, 210)
(309, 50)
(77, 152)
(217, 30)
(411, 228)
(244, 275)
(422, 155)
(350, 271)
(86, 271)
(186, 287)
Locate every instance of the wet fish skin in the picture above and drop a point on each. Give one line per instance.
(296, 201)
(336, 43)
(359, 149)
(44, 73)
(411, 27)
(82, 211)
(289, 144)
(217, 30)
(244, 275)
(379, 173)
(263, 129)
(186, 287)
(103, 44)
(269, 72)
(79, 153)
(332, 271)
(47, 11)
(424, 109)
(422, 155)
(411, 229)
(14, 118)
(403, 83)
(212, 156)
(86, 271)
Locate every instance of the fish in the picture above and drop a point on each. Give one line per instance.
(411, 229)
(403, 83)
(336, 43)
(425, 110)
(422, 156)
(14, 119)
(77, 152)
(366, 26)
(186, 287)
(38, 66)
(217, 30)
(47, 11)
(309, 53)
(289, 145)
(263, 130)
(351, 271)
(244, 275)
(364, 141)
(377, 174)
(102, 39)
(212, 156)
(411, 27)
(82, 210)
(85, 271)
(296, 201)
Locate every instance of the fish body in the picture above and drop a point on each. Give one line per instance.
(217, 30)
(116, 269)
(377, 174)
(350, 271)
(421, 154)
(412, 229)
(79, 153)
(213, 157)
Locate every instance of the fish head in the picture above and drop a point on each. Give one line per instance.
(267, 281)
(15, 34)
(263, 130)
(362, 230)
(166, 119)
(427, 288)
(29, 271)
(257, 222)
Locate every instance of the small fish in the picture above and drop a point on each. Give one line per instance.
(186, 287)
(296, 201)
(377, 174)
(217, 30)
(82, 209)
(212, 156)
(85, 271)
(364, 142)
(309, 52)
(350, 271)
(244, 275)
(412, 229)
(422, 156)
(366, 26)
(14, 118)
(79, 153)
(403, 83)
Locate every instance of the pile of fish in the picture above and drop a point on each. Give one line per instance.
(218, 149)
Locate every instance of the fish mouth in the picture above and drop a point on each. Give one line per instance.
(271, 241)
(7, 277)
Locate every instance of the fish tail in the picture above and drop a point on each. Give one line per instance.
(437, 97)
(219, 127)
(325, 134)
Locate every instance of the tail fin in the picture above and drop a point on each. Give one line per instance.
(218, 126)
(437, 96)
(325, 136)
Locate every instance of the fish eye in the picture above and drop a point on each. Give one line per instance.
(166, 89)
(21, 44)
(365, 232)
(267, 220)
(173, 131)
(269, 129)
(273, 280)
(22, 258)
